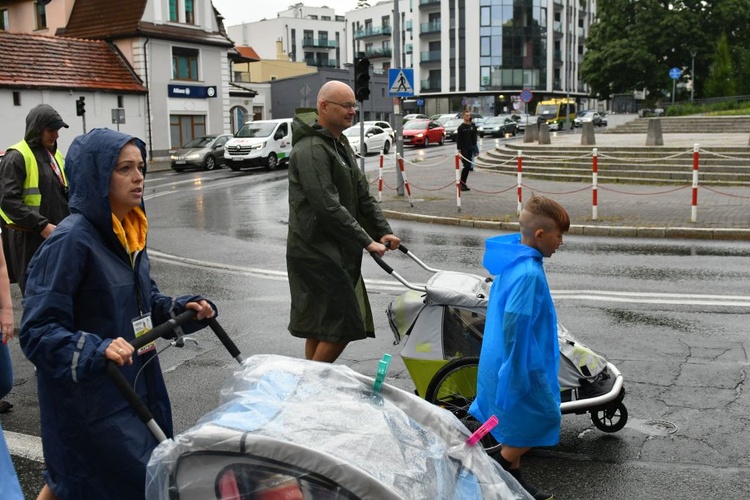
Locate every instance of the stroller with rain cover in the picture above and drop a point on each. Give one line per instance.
(293, 429)
(441, 325)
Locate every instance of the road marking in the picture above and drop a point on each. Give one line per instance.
(24, 445)
(391, 285)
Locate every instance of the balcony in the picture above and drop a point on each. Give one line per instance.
(430, 56)
(371, 32)
(429, 3)
(407, 25)
(323, 43)
(429, 85)
(321, 63)
(408, 48)
(378, 53)
(427, 28)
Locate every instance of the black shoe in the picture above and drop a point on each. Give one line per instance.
(465, 187)
(530, 489)
(5, 406)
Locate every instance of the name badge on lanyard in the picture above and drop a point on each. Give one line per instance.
(142, 325)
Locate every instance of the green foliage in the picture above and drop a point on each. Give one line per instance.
(715, 108)
(721, 80)
(633, 44)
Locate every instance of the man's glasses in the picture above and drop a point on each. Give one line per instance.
(346, 105)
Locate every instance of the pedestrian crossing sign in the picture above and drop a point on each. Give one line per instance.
(401, 82)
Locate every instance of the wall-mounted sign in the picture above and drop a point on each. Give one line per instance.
(192, 91)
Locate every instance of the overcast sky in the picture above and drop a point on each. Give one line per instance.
(248, 11)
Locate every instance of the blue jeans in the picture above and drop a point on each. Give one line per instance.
(6, 371)
(9, 487)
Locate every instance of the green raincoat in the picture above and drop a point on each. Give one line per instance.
(332, 218)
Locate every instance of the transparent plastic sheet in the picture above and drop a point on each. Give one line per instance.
(290, 428)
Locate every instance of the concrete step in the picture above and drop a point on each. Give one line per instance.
(721, 166)
(688, 124)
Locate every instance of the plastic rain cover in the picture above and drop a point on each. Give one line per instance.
(296, 429)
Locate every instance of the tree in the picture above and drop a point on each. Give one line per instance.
(721, 80)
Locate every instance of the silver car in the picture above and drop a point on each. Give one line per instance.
(205, 152)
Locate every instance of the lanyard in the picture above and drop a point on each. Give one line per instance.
(55, 167)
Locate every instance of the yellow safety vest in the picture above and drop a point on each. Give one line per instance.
(31, 195)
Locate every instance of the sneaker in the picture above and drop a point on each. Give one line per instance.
(530, 489)
(464, 187)
(5, 406)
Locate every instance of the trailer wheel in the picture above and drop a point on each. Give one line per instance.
(454, 388)
(611, 420)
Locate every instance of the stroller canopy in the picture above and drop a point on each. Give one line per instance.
(306, 430)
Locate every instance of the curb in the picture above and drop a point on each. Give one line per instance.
(723, 234)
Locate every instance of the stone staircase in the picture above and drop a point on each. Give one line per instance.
(635, 165)
(688, 124)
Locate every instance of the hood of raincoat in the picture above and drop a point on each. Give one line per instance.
(503, 252)
(38, 119)
(89, 164)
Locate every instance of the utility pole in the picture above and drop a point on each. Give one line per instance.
(397, 100)
(693, 53)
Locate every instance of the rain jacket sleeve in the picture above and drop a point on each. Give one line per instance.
(320, 190)
(524, 357)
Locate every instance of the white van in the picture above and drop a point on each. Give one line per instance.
(261, 143)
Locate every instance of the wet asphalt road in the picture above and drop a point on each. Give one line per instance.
(669, 314)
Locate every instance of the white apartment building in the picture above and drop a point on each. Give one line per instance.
(370, 31)
(314, 35)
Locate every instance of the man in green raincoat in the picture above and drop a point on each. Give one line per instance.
(332, 219)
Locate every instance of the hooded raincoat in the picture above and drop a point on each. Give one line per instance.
(332, 218)
(83, 291)
(517, 379)
(22, 239)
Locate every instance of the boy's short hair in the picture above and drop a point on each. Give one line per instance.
(546, 207)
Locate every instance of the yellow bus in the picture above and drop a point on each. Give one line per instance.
(556, 112)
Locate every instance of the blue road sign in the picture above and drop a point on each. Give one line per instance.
(675, 73)
(401, 82)
(526, 95)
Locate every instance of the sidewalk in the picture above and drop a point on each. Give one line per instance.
(623, 210)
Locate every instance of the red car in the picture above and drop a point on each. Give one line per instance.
(423, 132)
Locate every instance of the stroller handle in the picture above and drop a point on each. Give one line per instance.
(388, 269)
(165, 329)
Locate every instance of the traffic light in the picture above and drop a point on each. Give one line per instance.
(362, 78)
(80, 106)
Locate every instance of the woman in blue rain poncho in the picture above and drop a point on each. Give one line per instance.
(86, 288)
(517, 379)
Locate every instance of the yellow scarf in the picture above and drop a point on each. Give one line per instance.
(132, 230)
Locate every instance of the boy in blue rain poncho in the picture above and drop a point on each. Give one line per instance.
(517, 378)
(88, 288)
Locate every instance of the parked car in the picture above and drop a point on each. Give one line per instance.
(376, 139)
(385, 126)
(443, 118)
(451, 127)
(498, 126)
(206, 152)
(415, 117)
(588, 116)
(523, 119)
(423, 133)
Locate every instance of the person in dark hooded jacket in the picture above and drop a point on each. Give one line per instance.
(87, 286)
(332, 219)
(33, 190)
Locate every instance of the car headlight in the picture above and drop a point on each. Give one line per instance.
(420, 135)
(174, 157)
(258, 146)
(194, 156)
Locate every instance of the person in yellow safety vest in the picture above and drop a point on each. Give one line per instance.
(33, 190)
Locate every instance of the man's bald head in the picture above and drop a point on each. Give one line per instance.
(336, 107)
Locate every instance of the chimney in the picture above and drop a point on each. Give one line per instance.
(280, 54)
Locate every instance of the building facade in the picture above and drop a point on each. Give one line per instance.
(313, 35)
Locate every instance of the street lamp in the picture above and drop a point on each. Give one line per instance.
(693, 52)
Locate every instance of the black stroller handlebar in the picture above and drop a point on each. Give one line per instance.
(165, 329)
(388, 269)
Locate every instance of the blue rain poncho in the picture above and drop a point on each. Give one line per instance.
(517, 380)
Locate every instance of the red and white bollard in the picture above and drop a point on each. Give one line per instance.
(696, 160)
(458, 180)
(406, 181)
(520, 182)
(594, 181)
(380, 177)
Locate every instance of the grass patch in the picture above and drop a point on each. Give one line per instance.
(724, 108)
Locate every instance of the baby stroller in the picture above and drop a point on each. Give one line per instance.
(442, 323)
(300, 430)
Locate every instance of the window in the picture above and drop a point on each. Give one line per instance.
(184, 128)
(189, 12)
(4, 24)
(184, 64)
(120, 101)
(173, 16)
(484, 16)
(40, 12)
(16, 98)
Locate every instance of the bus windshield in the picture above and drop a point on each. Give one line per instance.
(547, 110)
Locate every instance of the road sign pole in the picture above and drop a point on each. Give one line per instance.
(399, 126)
